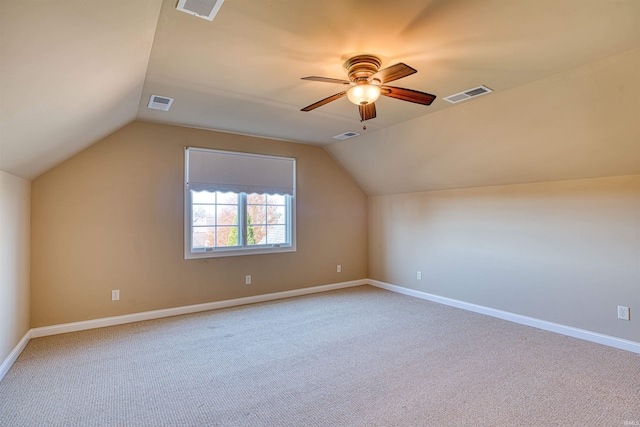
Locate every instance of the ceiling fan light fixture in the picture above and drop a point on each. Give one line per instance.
(363, 94)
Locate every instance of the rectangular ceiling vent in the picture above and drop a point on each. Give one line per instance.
(205, 9)
(468, 94)
(346, 135)
(160, 103)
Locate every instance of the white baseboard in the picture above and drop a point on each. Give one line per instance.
(13, 356)
(176, 311)
(516, 318)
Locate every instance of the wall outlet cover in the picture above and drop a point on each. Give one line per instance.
(623, 312)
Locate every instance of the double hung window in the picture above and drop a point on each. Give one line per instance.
(238, 203)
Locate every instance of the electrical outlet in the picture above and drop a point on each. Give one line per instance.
(419, 275)
(115, 295)
(247, 279)
(623, 312)
(339, 268)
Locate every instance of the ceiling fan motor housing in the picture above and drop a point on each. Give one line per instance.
(361, 67)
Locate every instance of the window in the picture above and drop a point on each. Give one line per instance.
(238, 203)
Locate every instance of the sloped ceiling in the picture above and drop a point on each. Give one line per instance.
(562, 70)
(580, 123)
(71, 72)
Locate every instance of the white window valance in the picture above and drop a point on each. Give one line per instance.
(215, 170)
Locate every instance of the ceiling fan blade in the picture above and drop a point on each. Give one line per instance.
(407, 95)
(327, 80)
(392, 73)
(367, 111)
(324, 101)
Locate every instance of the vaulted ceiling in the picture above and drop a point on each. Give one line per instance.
(565, 74)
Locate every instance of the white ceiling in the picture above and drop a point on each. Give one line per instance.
(73, 71)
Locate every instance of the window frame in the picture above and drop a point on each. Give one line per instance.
(189, 253)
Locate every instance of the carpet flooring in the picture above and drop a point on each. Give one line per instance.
(353, 357)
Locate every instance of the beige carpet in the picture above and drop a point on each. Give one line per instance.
(354, 357)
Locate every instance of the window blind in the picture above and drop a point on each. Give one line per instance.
(215, 170)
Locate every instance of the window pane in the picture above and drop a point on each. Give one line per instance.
(256, 214)
(227, 198)
(256, 235)
(204, 215)
(227, 236)
(276, 199)
(276, 215)
(227, 214)
(203, 197)
(276, 234)
(256, 199)
(203, 237)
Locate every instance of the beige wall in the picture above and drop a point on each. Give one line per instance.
(112, 218)
(566, 251)
(14, 261)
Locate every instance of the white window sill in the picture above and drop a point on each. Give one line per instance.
(218, 253)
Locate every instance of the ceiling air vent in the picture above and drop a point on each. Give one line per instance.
(468, 94)
(205, 9)
(160, 103)
(346, 135)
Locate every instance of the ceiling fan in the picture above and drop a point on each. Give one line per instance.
(367, 83)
